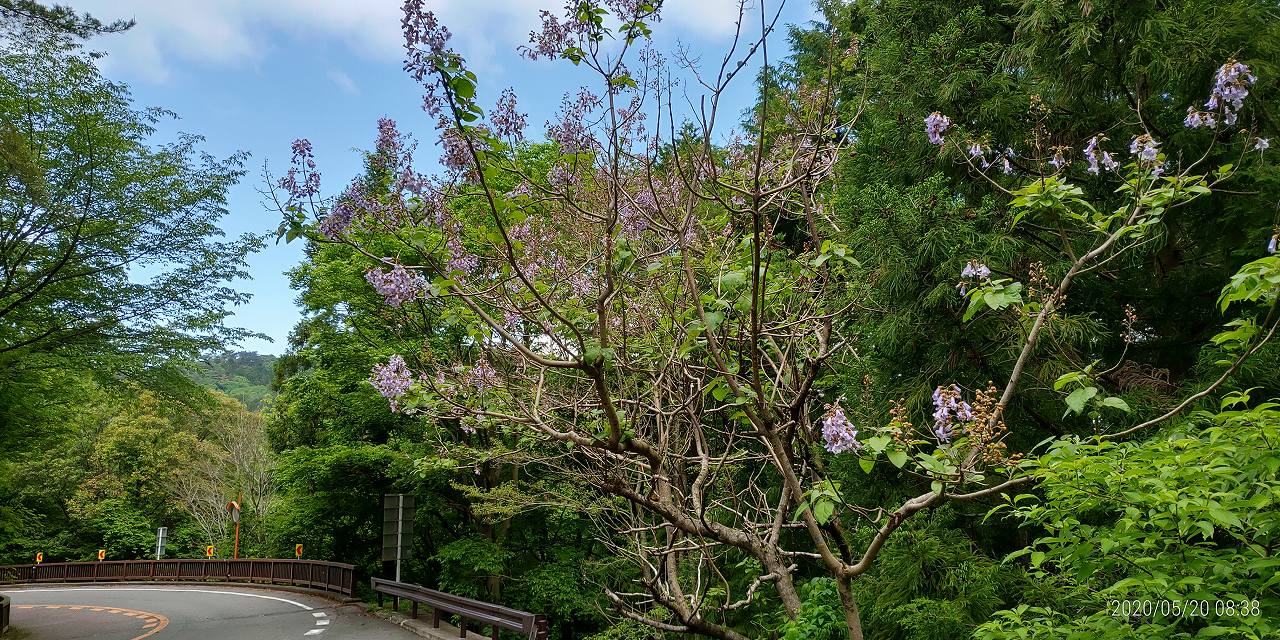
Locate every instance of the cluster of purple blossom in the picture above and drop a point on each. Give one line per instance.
(397, 286)
(392, 380)
(564, 177)
(631, 221)
(389, 142)
(627, 10)
(481, 377)
(973, 272)
(431, 202)
(455, 153)
(979, 152)
(631, 120)
(507, 122)
(554, 37)
(1092, 155)
(935, 125)
(949, 410)
(1059, 159)
(424, 38)
(1230, 88)
(570, 131)
(1274, 244)
(840, 434)
(1145, 148)
(304, 167)
(460, 260)
(353, 201)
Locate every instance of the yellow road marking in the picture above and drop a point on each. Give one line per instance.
(155, 622)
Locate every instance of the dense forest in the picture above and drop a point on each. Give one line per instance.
(962, 330)
(243, 375)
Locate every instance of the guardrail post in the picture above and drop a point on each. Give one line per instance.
(414, 613)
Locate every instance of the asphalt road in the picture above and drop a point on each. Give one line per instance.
(129, 612)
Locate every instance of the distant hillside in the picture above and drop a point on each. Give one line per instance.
(243, 375)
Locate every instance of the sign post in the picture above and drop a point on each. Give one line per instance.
(397, 528)
(102, 555)
(162, 535)
(234, 508)
(39, 557)
(297, 551)
(208, 551)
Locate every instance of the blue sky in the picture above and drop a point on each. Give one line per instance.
(253, 75)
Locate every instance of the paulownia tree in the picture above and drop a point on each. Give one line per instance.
(653, 306)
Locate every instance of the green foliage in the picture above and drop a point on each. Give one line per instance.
(821, 616)
(465, 559)
(60, 18)
(1189, 515)
(332, 502)
(77, 241)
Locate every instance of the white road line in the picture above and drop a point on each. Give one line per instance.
(228, 593)
(314, 632)
(320, 614)
(321, 623)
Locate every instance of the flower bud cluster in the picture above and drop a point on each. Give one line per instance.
(987, 429)
(899, 424)
(1038, 285)
(1130, 321)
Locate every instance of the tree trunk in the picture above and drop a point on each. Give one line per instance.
(851, 617)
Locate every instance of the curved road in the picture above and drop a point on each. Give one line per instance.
(135, 612)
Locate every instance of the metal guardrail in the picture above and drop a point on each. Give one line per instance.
(327, 576)
(4, 613)
(532, 626)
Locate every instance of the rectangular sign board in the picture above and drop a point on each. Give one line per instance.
(398, 512)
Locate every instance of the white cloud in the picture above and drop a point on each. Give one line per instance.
(241, 32)
(344, 81)
(709, 18)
